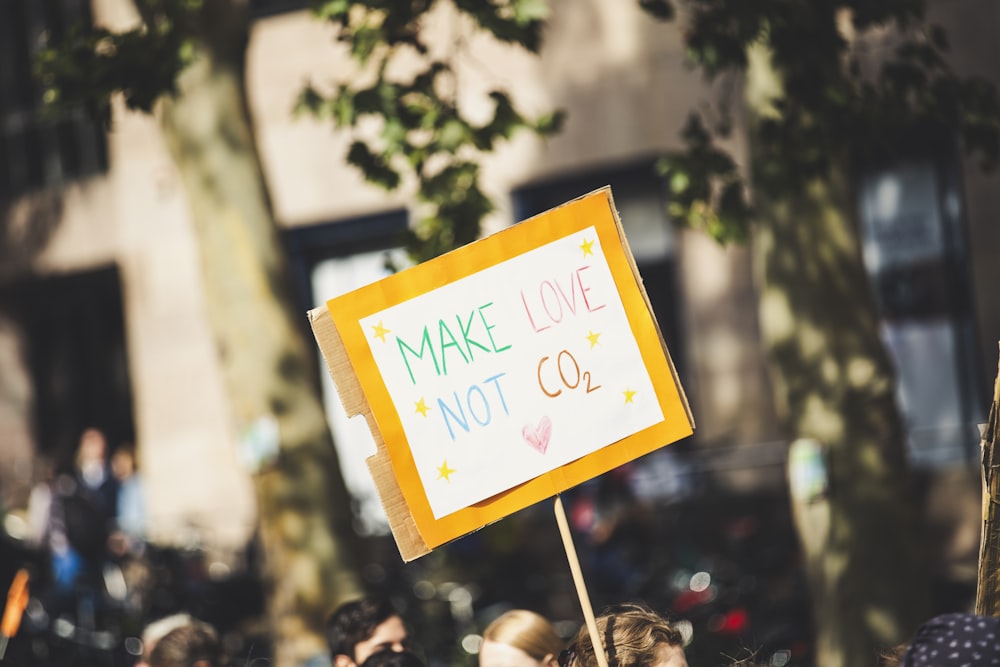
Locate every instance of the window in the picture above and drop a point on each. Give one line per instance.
(326, 261)
(38, 152)
(915, 252)
(77, 355)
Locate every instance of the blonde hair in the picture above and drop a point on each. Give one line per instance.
(633, 636)
(892, 656)
(527, 631)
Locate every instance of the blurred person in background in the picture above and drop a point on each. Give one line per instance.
(71, 514)
(194, 644)
(39, 533)
(639, 637)
(357, 629)
(89, 499)
(127, 542)
(520, 638)
(130, 505)
(158, 629)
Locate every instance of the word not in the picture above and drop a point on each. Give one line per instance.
(477, 403)
(570, 381)
(464, 345)
(552, 297)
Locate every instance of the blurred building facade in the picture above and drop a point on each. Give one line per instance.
(102, 319)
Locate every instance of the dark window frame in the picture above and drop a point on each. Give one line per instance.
(40, 150)
(948, 286)
(77, 354)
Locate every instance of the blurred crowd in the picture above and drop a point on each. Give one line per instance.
(370, 632)
(103, 595)
(95, 579)
(89, 520)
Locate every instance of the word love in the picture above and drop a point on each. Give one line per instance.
(555, 299)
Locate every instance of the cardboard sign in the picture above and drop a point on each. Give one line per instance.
(503, 372)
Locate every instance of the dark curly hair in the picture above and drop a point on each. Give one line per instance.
(354, 622)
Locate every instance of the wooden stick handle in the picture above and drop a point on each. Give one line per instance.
(581, 587)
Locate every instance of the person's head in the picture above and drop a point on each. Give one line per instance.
(633, 636)
(193, 645)
(892, 656)
(520, 638)
(123, 462)
(357, 629)
(156, 630)
(93, 447)
(955, 639)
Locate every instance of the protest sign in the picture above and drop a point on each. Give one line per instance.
(504, 372)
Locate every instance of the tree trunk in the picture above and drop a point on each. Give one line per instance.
(304, 509)
(833, 378)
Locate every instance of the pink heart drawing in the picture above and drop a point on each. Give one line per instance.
(538, 437)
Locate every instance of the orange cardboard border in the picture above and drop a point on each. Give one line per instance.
(595, 209)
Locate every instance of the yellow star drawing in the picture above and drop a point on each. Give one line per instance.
(380, 331)
(587, 247)
(628, 395)
(444, 472)
(592, 337)
(422, 407)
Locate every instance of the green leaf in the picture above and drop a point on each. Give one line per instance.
(502, 24)
(367, 101)
(694, 132)
(527, 11)
(331, 9)
(679, 182)
(420, 123)
(309, 101)
(393, 132)
(505, 118)
(550, 123)
(343, 109)
(374, 167)
(365, 40)
(453, 135)
(661, 10)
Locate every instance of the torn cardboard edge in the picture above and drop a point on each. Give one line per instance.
(411, 545)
